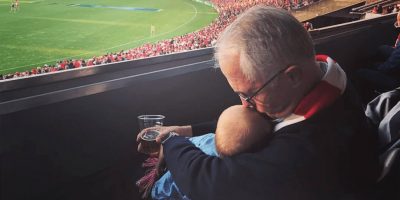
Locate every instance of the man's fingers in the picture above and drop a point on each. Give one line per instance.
(161, 137)
(139, 136)
(139, 147)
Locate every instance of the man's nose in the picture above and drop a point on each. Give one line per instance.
(247, 104)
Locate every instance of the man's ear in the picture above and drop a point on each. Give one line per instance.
(295, 75)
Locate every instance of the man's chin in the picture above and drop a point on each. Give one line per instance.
(266, 116)
(277, 115)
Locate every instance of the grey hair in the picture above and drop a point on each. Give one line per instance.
(265, 38)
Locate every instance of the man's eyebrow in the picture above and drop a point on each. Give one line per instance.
(238, 92)
(242, 93)
(250, 91)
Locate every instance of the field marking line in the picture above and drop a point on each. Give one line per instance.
(132, 42)
(19, 1)
(208, 13)
(79, 21)
(43, 49)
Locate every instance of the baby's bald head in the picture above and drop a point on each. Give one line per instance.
(239, 130)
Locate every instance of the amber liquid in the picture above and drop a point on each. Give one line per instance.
(149, 144)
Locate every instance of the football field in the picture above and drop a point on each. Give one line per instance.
(45, 31)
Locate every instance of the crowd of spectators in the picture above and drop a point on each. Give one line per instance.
(379, 9)
(205, 37)
(383, 8)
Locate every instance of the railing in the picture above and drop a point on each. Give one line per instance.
(366, 7)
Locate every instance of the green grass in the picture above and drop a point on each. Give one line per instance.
(45, 31)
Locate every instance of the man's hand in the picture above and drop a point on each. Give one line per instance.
(164, 130)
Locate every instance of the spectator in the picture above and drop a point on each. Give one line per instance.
(375, 10)
(321, 148)
(389, 9)
(308, 26)
(379, 9)
(384, 75)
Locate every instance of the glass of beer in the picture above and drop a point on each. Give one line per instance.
(146, 121)
(149, 144)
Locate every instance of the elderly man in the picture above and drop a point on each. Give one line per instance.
(321, 148)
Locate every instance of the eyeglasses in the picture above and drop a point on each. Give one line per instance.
(248, 99)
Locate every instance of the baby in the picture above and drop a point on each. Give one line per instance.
(239, 130)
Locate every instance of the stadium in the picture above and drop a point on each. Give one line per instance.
(75, 76)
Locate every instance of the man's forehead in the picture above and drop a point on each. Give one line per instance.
(230, 64)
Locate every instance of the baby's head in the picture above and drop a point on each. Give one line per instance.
(239, 130)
